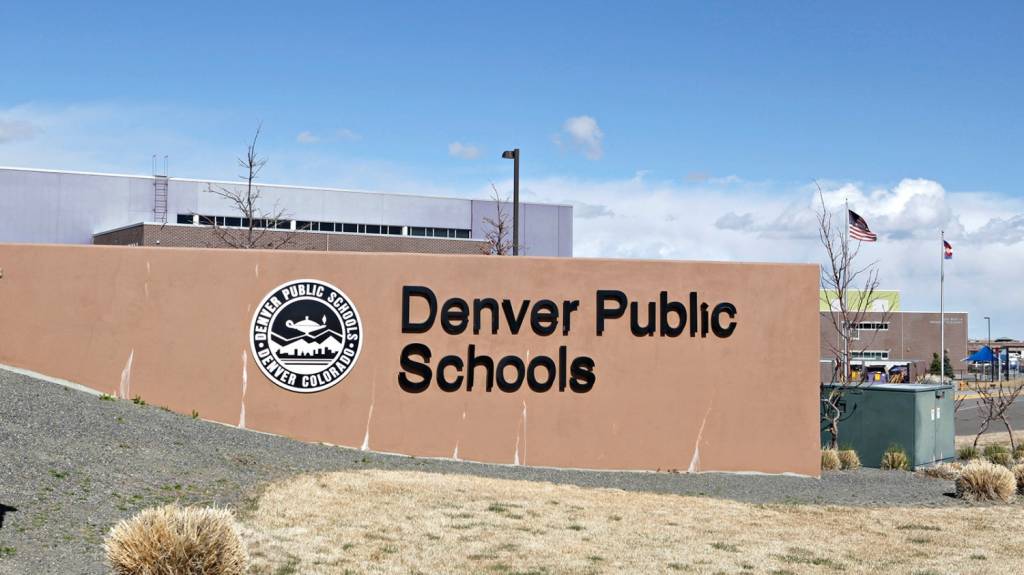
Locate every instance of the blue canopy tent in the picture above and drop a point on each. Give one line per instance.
(983, 355)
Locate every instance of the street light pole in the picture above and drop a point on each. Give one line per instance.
(988, 320)
(514, 155)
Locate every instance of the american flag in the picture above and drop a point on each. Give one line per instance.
(948, 249)
(859, 229)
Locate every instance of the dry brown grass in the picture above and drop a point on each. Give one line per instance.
(984, 481)
(895, 460)
(173, 540)
(407, 522)
(947, 471)
(830, 460)
(848, 459)
(1018, 474)
(1002, 438)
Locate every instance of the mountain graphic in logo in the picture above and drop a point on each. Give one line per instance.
(316, 345)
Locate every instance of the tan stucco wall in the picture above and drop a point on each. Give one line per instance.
(171, 325)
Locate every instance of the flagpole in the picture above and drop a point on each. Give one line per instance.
(942, 308)
(846, 299)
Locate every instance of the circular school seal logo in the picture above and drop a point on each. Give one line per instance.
(306, 336)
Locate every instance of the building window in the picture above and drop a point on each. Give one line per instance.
(311, 226)
(870, 354)
(872, 326)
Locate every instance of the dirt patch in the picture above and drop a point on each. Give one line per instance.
(378, 521)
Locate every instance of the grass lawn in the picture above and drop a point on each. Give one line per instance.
(410, 522)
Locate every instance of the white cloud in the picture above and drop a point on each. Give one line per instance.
(587, 211)
(583, 134)
(1000, 230)
(347, 135)
(340, 135)
(12, 130)
(463, 151)
(103, 137)
(734, 221)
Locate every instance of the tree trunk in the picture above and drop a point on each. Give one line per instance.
(984, 428)
(1006, 422)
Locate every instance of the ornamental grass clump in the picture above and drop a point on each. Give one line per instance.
(829, 460)
(968, 452)
(895, 458)
(1018, 474)
(985, 481)
(1018, 452)
(177, 540)
(998, 454)
(848, 459)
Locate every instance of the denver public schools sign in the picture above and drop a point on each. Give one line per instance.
(561, 371)
(558, 362)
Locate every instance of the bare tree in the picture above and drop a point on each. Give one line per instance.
(840, 273)
(260, 229)
(993, 403)
(498, 234)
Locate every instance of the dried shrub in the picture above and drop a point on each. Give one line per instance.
(895, 458)
(848, 459)
(1018, 473)
(968, 452)
(177, 540)
(985, 481)
(948, 471)
(829, 460)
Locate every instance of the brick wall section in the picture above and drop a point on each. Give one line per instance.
(130, 236)
(185, 236)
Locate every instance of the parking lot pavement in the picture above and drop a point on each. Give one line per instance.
(969, 417)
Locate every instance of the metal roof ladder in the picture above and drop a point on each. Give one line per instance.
(160, 199)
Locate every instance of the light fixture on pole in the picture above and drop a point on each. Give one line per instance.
(514, 155)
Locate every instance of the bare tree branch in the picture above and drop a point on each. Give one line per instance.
(261, 229)
(498, 234)
(993, 405)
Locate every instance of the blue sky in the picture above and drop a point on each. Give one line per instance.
(613, 105)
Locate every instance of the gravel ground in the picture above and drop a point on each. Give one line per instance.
(73, 464)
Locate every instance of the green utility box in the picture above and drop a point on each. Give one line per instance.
(918, 417)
